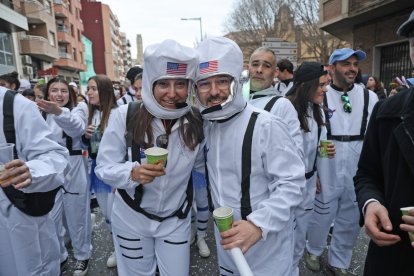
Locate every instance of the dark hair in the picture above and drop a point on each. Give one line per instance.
(285, 64)
(107, 100)
(83, 97)
(72, 100)
(191, 133)
(302, 95)
(11, 78)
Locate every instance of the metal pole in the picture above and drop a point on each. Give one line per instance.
(201, 31)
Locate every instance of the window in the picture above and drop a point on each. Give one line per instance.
(48, 7)
(6, 53)
(72, 33)
(52, 38)
(75, 57)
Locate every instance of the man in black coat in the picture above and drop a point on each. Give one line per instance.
(384, 182)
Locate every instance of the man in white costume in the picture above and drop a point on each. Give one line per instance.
(262, 69)
(28, 244)
(273, 171)
(349, 108)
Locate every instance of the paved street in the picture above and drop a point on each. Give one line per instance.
(102, 243)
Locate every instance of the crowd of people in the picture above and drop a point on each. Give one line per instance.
(237, 141)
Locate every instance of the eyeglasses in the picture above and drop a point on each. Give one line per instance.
(347, 104)
(205, 86)
(162, 141)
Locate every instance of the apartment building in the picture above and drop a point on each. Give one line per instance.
(11, 21)
(371, 25)
(102, 28)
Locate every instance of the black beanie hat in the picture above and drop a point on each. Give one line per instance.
(308, 71)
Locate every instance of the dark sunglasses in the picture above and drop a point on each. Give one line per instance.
(162, 141)
(347, 104)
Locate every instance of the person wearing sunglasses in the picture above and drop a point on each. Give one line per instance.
(385, 178)
(252, 164)
(347, 111)
(150, 217)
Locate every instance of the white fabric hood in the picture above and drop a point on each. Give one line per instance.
(220, 55)
(167, 60)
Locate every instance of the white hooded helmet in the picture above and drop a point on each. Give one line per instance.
(221, 56)
(167, 60)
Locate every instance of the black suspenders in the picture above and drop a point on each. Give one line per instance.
(245, 205)
(349, 138)
(270, 103)
(135, 203)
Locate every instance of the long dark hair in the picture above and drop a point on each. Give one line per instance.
(107, 100)
(191, 133)
(12, 78)
(72, 97)
(301, 97)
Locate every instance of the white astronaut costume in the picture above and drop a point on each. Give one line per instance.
(142, 243)
(29, 245)
(282, 108)
(281, 88)
(337, 200)
(304, 211)
(75, 203)
(277, 171)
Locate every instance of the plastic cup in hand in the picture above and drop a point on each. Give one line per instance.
(224, 218)
(404, 212)
(95, 140)
(323, 150)
(156, 155)
(6, 155)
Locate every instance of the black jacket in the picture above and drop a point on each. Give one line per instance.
(386, 173)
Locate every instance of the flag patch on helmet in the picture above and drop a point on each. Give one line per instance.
(209, 67)
(175, 68)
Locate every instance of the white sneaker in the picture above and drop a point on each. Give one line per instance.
(203, 249)
(111, 262)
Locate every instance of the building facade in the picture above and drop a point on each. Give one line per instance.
(371, 25)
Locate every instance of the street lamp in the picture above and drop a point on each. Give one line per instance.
(201, 29)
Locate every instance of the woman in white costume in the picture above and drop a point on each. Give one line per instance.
(67, 121)
(150, 216)
(307, 95)
(102, 101)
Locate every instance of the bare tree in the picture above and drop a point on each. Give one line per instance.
(254, 20)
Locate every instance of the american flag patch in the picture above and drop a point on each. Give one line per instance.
(208, 67)
(174, 68)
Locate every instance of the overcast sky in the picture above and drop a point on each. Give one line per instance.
(157, 20)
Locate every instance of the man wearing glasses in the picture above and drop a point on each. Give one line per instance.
(348, 110)
(385, 180)
(252, 165)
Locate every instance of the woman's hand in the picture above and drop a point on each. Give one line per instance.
(89, 131)
(146, 173)
(49, 107)
(331, 150)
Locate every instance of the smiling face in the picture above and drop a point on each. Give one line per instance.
(262, 69)
(59, 93)
(345, 72)
(92, 92)
(214, 90)
(169, 92)
(321, 89)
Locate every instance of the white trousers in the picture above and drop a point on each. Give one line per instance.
(57, 216)
(141, 243)
(28, 245)
(344, 209)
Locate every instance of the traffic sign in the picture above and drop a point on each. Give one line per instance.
(280, 44)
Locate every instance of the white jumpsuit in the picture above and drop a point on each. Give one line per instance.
(277, 178)
(337, 200)
(29, 245)
(76, 201)
(142, 243)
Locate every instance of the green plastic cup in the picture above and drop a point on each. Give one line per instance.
(323, 151)
(156, 155)
(224, 218)
(404, 212)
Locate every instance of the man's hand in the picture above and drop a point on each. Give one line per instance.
(146, 173)
(16, 173)
(408, 226)
(243, 234)
(376, 217)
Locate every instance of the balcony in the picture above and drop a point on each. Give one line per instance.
(61, 9)
(11, 19)
(63, 35)
(36, 12)
(38, 47)
(66, 62)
